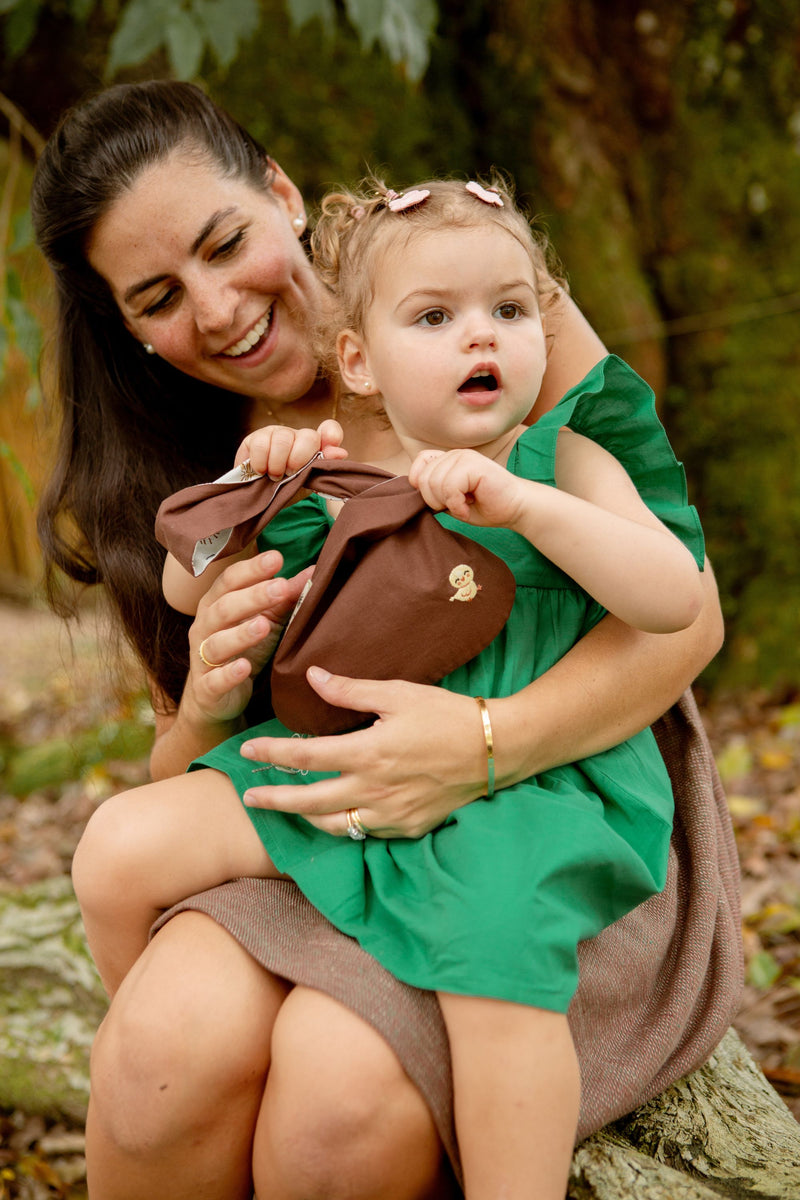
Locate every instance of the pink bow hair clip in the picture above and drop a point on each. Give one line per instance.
(407, 200)
(487, 195)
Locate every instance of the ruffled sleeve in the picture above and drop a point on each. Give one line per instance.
(614, 407)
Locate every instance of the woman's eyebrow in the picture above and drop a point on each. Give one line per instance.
(211, 224)
(213, 221)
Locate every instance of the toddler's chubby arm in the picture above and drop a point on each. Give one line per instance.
(593, 525)
(276, 451)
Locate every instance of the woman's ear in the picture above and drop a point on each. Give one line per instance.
(354, 364)
(287, 195)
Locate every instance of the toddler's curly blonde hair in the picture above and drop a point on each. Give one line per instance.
(355, 228)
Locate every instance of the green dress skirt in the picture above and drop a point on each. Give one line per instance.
(494, 901)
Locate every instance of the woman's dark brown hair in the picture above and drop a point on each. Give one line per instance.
(132, 429)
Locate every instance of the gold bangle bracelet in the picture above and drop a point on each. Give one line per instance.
(489, 738)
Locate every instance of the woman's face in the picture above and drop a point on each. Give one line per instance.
(210, 272)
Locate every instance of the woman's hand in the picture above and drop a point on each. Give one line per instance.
(423, 758)
(278, 450)
(238, 623)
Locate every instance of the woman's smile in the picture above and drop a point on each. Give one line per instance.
(253, 340)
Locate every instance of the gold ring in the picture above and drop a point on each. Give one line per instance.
(356, 829)
(203, 657)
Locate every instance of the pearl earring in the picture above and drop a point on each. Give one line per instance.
(299, 223)
(148, 348)
(367, 385)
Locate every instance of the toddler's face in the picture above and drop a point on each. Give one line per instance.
(454, 339)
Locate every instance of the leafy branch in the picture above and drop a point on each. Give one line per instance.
(186, 30)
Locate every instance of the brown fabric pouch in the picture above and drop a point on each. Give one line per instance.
(395, 595)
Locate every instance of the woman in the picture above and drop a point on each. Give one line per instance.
(184, 294)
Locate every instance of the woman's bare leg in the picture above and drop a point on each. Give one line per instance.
(340, 1116)
(144, 850)
(178, 1069)
(517, 1091)
(178, 1075)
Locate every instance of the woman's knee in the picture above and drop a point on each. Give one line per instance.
(340, 1115)
(186, 1037)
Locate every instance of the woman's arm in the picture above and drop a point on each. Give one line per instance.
(573, 348)
(426, 757)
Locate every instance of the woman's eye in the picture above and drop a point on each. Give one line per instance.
(433, 317)
(161, 304)
(230, 247)
(508, 311)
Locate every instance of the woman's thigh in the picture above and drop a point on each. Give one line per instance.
(340, 1116)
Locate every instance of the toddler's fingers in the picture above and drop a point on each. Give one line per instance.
(422, 465)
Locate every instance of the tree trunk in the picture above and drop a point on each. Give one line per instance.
(721, 1131)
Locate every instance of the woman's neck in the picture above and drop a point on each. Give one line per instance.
(367, 435)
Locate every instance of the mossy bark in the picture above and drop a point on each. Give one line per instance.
(51, 1002)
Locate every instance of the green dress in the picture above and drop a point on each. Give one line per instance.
(494, 901)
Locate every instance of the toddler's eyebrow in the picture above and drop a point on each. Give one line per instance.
(434, 291)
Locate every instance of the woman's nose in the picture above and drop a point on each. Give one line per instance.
(214, 306)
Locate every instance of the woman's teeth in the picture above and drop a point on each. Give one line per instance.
(250, 339)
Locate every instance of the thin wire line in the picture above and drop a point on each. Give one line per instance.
(700, 322)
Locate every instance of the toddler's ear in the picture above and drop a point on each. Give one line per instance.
(353, 364)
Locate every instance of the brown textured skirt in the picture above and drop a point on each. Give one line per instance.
(657, 989)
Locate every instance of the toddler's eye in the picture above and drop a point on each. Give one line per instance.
(508, 311)
(433, 317)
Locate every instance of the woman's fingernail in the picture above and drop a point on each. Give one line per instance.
(318, 674)
(246, 750)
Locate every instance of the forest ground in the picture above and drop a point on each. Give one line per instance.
(62, 710)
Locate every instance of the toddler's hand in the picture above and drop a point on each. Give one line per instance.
(278, 450)
(468, 485)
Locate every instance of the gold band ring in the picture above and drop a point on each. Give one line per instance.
(203, 657)
(356, 829)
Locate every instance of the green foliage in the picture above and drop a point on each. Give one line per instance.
(187, 30)
(54, 762)
(732, 410)
(328, 111)
(23, 17)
